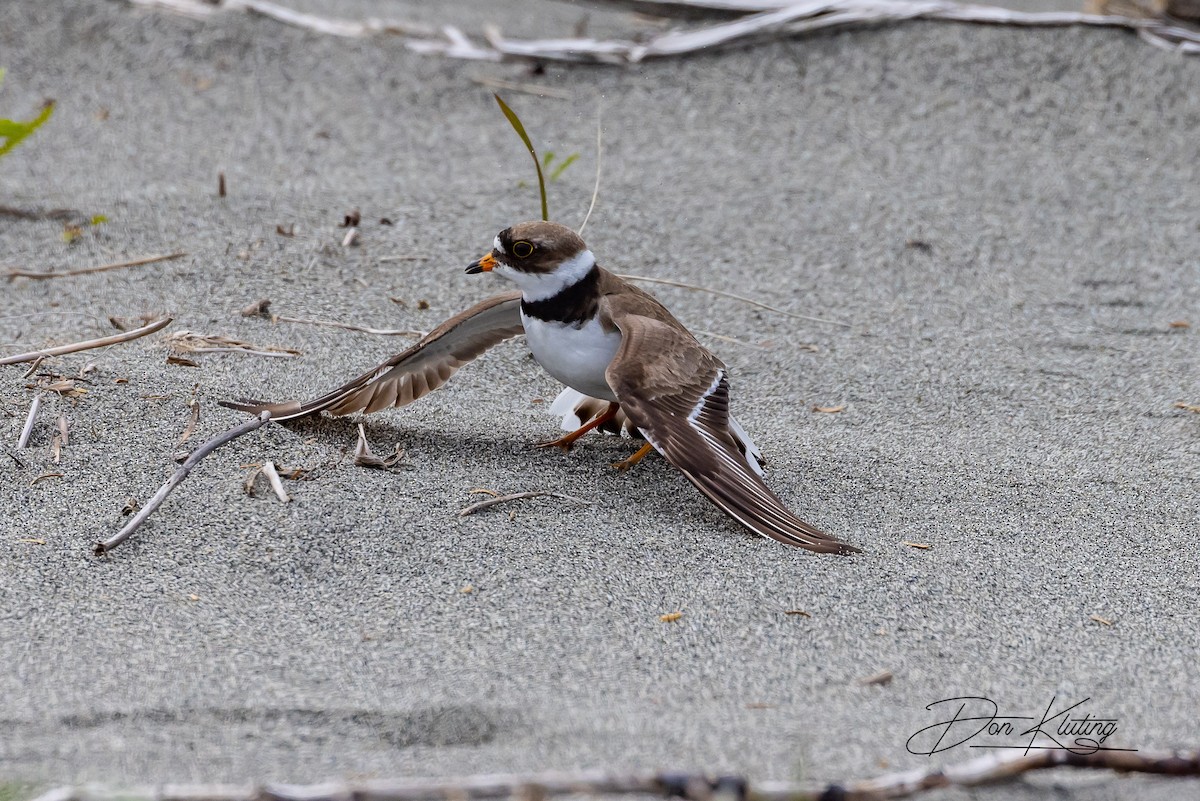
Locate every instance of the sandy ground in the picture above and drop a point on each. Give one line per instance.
(1006, 219)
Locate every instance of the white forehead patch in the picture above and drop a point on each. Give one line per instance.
(496, 246)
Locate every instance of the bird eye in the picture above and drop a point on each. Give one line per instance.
(522, 249)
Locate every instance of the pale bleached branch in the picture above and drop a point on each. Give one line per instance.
(687, 786)
(104, 546)
(30, 419)
(273, 479)
(15, 273)
(125, 336)
(752, 22)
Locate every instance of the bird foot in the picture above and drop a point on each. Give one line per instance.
(566, 443)
(625, 464)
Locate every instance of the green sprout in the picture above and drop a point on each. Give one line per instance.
(72, 232)
(515, 122)
(13, 132)
(555, 173)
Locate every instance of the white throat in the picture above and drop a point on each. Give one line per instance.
(540, 286)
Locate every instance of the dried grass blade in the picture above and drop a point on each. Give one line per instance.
(731, 295)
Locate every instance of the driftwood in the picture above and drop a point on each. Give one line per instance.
(689, 786)
(87, 344)
(104, 546)
(752, 21)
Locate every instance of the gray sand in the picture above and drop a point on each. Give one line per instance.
(1008, 396)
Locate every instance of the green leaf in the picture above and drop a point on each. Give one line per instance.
(14, 132)
(98, 219)
(515, 122)
(567, 162)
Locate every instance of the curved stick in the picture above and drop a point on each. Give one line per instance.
(104, 546)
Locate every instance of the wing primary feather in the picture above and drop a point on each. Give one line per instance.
(677, 394)
(416, 371)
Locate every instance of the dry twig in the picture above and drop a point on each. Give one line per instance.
(15, 273)
(104, 546)
(190, 342)
(481, 505)
(688, 786)
(87, 344)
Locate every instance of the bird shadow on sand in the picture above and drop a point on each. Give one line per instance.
(653, 489)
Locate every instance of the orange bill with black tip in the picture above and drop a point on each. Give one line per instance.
(484, 265)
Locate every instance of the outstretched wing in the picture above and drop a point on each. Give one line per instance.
(417, 371)
(675, 391)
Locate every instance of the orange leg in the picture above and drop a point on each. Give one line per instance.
(565, 442)
(632, 460)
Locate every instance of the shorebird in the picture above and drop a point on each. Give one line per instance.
(627, 362)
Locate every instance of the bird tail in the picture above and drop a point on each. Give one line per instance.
(754, 456)
(575, 409)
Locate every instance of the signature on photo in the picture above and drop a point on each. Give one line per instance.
(976, 720)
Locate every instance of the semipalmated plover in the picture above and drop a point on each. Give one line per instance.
(625, 359)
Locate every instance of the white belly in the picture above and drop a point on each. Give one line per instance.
(576, 356)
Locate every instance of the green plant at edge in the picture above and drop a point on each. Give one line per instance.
(13, 132)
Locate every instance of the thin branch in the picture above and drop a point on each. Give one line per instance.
(687, 786)
(481, 505)
(104, 546)
(383, 332)
(742, 298)
(88, 344)
(14, 273)
(23, 440)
